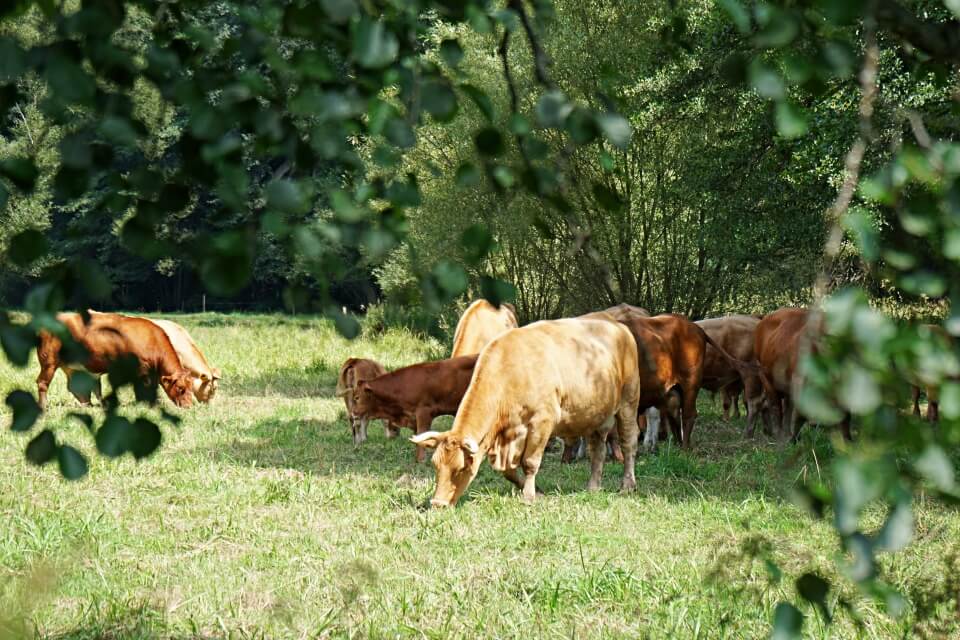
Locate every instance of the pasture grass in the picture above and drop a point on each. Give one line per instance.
(259, 519)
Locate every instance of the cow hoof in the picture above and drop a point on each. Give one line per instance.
(628, 487)
(593, 488)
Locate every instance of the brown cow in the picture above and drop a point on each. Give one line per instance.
(353, 372)
(107, 338)
(624, 311)
(735, 334)
(565, 378)
(479, 324)
(778, 341)
(932, 390)
(416, 394)
(671, 357)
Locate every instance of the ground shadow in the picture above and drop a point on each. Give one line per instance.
(319, 379)
(722, 465)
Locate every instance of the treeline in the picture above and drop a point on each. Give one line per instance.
(709, 208)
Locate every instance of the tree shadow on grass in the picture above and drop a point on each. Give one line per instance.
(722, 466)
(319, 379)
(143, 622)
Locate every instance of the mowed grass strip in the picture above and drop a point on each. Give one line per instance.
(258, 518)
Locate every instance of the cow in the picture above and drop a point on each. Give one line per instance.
(779, 338)
(735, 334)
(107, 338)
(415, 395)
(206, 379)
(932, 390)
(671, 359)
(566, 378)
(353, 372)
(479, 324)
(624, 311)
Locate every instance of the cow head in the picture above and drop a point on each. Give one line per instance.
(179, 388)
(456, 459)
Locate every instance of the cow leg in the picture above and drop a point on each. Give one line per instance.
(98, 389)
(726, 395)
(795, 419)
(652, 417)
(689, 415)
(597, 446)
(538, 434)
(915, 392)
(570, 450)
(47, 371)
(735, 390)
(933, 405)
(845, 428)
(629, 432)
(424, 420)
(753, 400)
(390, 429)
(513, 477)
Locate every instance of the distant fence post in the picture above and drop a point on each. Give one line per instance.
(204, 303)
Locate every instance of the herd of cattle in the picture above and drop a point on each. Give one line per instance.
(596, 378)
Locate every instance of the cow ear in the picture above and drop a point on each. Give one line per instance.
(470, 446)
(428, 439)
(166, 380)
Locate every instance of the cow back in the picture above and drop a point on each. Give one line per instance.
(479, 324)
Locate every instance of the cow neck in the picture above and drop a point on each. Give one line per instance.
(479, 412)
(387, 385)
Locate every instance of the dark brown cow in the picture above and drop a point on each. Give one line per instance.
(735, 334)
(416, 394)
(671, 352)
(353, 372)
(108, 337)
(778, 340)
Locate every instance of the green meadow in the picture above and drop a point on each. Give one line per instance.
(258, 518)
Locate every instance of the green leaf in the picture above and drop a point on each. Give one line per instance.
(25, 410)
(496, 290)
(934, 465)
(145, 438)
(286, 196)
(779, 29)
(13, 60)
(503, 176)
(814, 590)
(553, 108)
(608, 199)
(346, 325)
(451, 52)
(42, 448)
(81, 383)
(22, 172)
(451, 278)
(399, 132)
(468, 175)
(860, 224)
(27, 246)
(439, 100)
(950, 400)
(897, 531)
(339, 11)
(791, 120)
(113, 438)
(787, 622)
(17, 342)
(812, 403)
(519, 125)
(481, 99)
(374, 45)
(477, 242)
(489, 142)
(73, 465)
(858, 391)
(953, 5)
(766, 81)
(738, 14)
(581, 126)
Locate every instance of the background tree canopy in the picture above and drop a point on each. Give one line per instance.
(695, 157)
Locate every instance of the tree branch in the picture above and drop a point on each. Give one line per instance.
(939, 40)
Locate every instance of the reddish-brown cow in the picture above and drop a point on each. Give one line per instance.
(671, 353)
(106, 338)
(778, 341)
(416, 394)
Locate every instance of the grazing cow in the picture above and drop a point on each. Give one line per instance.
(778, 340)
(205, 378)
(353, 372)
(671, 357)
(106, 338)
(735, 334)
(479, 324)
(567, 378)
(416, 394)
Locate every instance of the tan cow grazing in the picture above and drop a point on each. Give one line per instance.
(353, 372)
(205, 378)
(778, 340)
(564, 378)
(107, 338)
(479, 324)
(735, 334)
(415, 395)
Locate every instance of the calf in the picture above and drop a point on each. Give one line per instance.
(106, 338)
(353, 372)
(416, 394)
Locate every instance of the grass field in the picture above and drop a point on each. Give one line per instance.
(258, 518)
